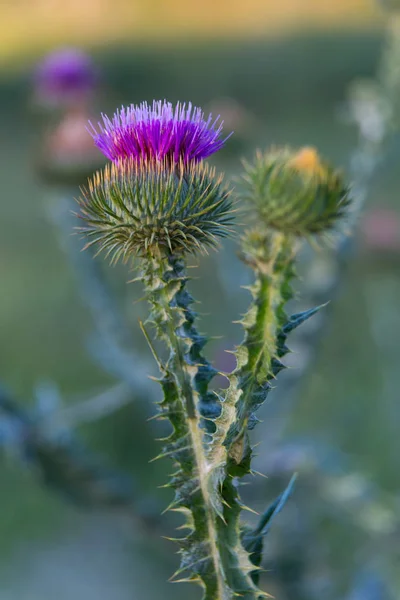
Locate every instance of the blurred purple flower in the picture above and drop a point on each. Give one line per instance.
(65, 75)
(159, 132)
(381, 229)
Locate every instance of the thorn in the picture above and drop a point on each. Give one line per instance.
(156, 458)
(155, 417)
(185, 580)
(169, 507)
(170, 453)
(153, 351)
(135, 279)
(185, 526)
(138, 300)
(225, 503)
(244, 507)
(171, 539)
(252, 472)
(153, 378)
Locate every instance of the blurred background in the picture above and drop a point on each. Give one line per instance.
(278, 73)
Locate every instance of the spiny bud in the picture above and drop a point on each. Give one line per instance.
(139, 207)
(295, 191)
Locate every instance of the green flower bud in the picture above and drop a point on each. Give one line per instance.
(295, 191)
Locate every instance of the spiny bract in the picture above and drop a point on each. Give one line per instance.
(138, 207)
(295, 191)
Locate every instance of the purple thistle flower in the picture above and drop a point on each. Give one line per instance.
(66, 74)
(159, 132)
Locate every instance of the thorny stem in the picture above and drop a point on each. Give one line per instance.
(167, 315)
(211, 553)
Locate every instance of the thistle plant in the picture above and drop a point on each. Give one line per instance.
(156, 204)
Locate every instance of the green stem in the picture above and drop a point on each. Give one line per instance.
(208, 556)
(271, 257)
(258, 357)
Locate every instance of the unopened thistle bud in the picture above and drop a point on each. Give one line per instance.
(156, 196)
(295, 191)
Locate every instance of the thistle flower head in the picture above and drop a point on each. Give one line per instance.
(159, 132)
(65, 75)
(295, 191)
(140, 207)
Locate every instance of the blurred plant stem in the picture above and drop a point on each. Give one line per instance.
(111, 345)
(62, 463)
